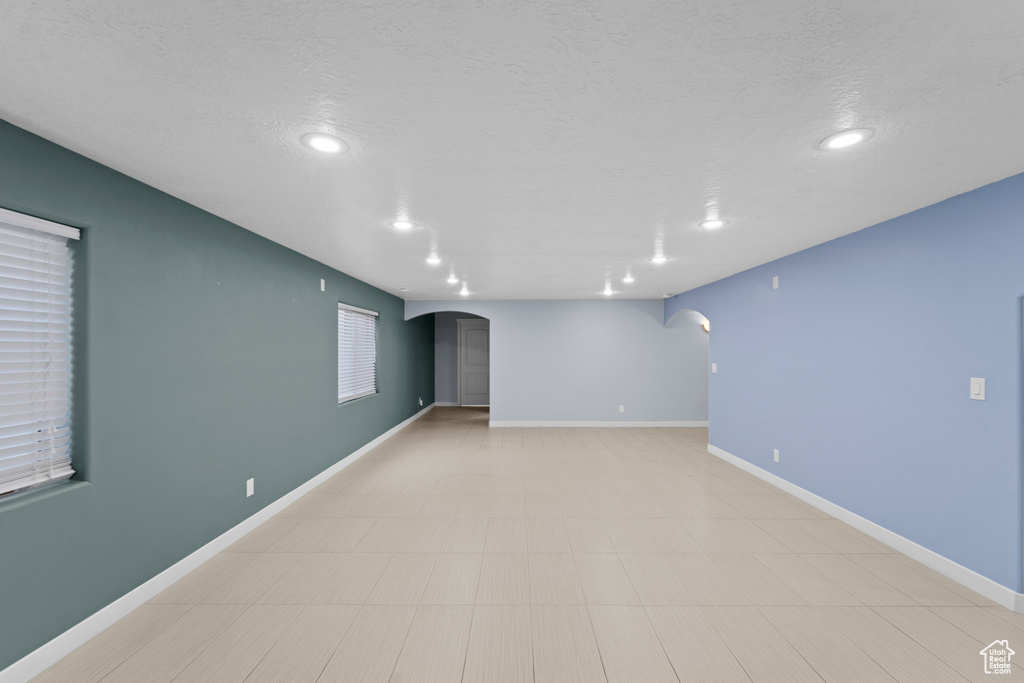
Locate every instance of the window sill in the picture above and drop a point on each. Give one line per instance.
(357, 399)
(17, 500)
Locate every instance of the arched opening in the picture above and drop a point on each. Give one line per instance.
(462, 363)
(695, 335)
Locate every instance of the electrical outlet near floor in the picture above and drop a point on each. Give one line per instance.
(250, 487)
(421, 401)
(776, 451)
(622, 409)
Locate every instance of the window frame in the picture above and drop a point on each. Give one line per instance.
(42, 341)
(373, 316)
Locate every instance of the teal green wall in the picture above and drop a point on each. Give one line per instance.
(204, 355)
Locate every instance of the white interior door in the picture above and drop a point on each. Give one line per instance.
(474, 362)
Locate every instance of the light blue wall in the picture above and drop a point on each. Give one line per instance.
(446, 356)
(857, 369)
(580, 360)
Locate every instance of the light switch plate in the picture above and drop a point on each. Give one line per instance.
(250, 487)
(978, 388)
(775, 282)
(714, 367)
(323, 285)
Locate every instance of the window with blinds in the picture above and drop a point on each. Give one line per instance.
(357, 352)
(35, 351)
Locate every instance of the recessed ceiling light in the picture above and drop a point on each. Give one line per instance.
(628, 278)
(433, 259)
(713, 223)
(659, 259)
(452, 280)
(401, 224)
(665, 296)
(845, 138)
(402, 289)
(327, 144)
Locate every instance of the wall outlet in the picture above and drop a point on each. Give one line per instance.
(714, 367)
(421, 401)
(250, 487)
(776, 452)
(622, 409)
(775, 282)
(323, 285)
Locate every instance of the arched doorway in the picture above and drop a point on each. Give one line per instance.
(461, 359)
(697, 330)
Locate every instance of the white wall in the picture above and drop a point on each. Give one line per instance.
(577, 361)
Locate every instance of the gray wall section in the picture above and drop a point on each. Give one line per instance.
(580, 360)
(204, 355)
(446, 355)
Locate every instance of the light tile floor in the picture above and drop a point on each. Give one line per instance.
(454, 552)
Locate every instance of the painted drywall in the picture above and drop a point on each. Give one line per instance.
(857, 369)
(446, 355)
(204, 355)
(578, 361)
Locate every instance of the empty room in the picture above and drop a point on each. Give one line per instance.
(538, 342)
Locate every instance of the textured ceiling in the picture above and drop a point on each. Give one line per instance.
(541, 147)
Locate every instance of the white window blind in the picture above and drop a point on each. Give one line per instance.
(35, 351)
(357, 352)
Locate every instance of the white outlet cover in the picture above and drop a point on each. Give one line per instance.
(250, 487)
(714, 367)
(622, 409)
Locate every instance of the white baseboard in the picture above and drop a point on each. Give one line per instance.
(610, 423)
(968, 578)
(446, 404)
(47, 655)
